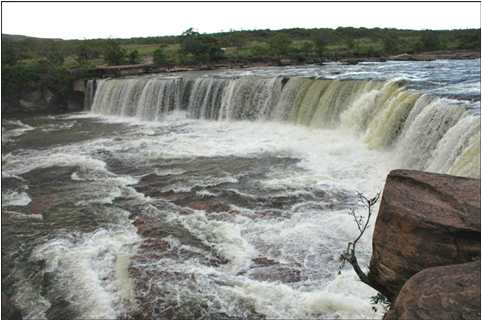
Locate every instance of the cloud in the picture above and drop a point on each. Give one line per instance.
(124, 20)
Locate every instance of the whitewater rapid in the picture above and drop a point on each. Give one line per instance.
(385, 114)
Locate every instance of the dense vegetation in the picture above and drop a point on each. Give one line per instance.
(28, 61)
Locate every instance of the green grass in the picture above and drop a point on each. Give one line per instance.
(144, 50)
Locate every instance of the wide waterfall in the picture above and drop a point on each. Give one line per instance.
(426, 132)
(223, 194)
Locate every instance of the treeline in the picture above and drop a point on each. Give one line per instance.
(28, 61)
(192, 47)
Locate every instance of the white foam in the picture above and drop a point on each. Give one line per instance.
(329, 156)
(102, 198)
(90, 270)
(20, 215)
(25, 161)
(18, 130)
(13, 198)
(225, 237)
(280, 301)
(193, 181)
(169, 171)
(58, 126)
(205, 193)
(328, 160)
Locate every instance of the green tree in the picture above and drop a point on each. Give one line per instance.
(350, 43)
(133, 57)
(84, 54)
(9, 55)
(236, 39)
(203, 48)
(258, 51)
(158, 57)
(280, 44)
(430, 41)
(390, 44)
(114, 54)
(192, 43)
(216, 53)
(320, 41)
(307, 48)
(470, 39)
(53, 54)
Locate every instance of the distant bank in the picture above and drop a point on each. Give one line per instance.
(136, 69)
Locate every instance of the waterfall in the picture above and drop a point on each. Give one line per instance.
(89, 93)
(424, 132)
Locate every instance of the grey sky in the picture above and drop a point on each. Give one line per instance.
(124, 20)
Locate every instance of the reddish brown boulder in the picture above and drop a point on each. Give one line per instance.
(209, 205)
(425, 220)
(449, 293)
(266, 269)
(264, 261)
(276, 273)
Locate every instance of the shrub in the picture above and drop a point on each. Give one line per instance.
(133, 57)
(114, 54)
(158, 57)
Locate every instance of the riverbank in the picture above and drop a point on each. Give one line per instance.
(126, 70)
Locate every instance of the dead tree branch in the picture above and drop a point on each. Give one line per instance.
(349, 255)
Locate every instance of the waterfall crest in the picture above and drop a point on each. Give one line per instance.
(425, 132)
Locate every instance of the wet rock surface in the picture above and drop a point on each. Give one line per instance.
(9, 311)
(446, 293)
(425, 220)
(266, 269)
(276, 273)
(227, 190)
(156, 281)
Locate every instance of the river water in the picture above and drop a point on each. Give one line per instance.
(222, 194)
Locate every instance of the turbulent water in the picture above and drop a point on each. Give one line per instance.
(221, 195)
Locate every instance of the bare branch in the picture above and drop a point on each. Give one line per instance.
(349, 255)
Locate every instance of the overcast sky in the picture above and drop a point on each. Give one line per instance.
(124, 20)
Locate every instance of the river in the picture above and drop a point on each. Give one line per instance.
(222, 194)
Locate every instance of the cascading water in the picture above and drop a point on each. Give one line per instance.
(385, 114)
(221, 195)
(89, 93)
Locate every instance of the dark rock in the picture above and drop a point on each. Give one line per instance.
(264, 261)
(351, 61)
(40, 99)
(75, 101)
(266, 269)
(154, 228)
(438, 54)
(276, 273)
(445, 293)
(157, 244)
(209, 205)
(9, 311)
(174, 196)
(40, 204)
(425, 220)
(285, 62)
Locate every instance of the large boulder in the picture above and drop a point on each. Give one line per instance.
(425, 220)
(445, 293)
